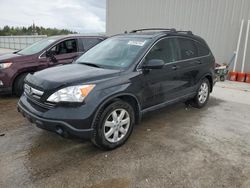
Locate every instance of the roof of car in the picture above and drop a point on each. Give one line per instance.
(57, 37)
(159, 32)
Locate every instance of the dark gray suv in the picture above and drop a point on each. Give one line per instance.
(108, 89)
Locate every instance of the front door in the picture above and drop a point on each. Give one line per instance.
(63, 53)
(162, 85)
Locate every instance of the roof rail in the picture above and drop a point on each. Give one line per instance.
(153, 29)
(187, 32)
(173, 30)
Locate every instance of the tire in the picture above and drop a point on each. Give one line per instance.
(222, 78)
(198, 101)
(110, 132)
(18, 85)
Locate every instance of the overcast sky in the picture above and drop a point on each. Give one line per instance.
(84, 16)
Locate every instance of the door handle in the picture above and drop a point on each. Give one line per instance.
(198, 62)
(174, 67)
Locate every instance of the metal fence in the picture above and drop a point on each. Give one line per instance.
(19, 42)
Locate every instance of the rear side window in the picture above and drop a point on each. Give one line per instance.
(88, 43)
(188, 48)
(165, 50)
(202, 50)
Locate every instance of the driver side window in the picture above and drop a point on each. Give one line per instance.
(64, 47)
(164, 50)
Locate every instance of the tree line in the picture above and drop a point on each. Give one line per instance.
(33, 30)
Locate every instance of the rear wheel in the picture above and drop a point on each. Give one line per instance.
(202, 96)
(18, 84)
(113, 125)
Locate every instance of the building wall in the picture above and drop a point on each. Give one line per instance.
(217, 21)
(19, 42)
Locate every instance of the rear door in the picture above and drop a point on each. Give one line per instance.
(190, 63)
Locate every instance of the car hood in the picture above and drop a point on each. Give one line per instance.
(8, 56)
(61, 76)
(15, 57)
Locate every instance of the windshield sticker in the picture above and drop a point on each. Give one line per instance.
(136, 43)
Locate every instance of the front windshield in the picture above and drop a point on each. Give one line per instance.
(116, 52)
(36, 47)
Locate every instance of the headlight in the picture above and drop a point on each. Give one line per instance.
(71, 94)
(5, 65)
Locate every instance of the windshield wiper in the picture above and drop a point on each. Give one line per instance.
(90, 64)
(16, 52)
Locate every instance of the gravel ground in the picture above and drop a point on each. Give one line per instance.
(172, 147)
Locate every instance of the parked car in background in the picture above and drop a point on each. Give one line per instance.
(108, 89)
(51, 51)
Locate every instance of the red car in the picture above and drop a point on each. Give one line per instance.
(51, 51)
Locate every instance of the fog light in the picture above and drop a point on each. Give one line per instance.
(1, 83)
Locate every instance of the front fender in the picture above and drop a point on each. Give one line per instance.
(108, 95)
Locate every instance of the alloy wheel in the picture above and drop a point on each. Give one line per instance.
(203, 93)
(116, 125)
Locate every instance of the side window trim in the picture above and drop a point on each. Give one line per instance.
(196, 41)
(54, 44)
(172, 45)
(64, 40)
(138, 66)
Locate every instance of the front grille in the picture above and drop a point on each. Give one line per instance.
(30, 91)
(35, 97)
(38, 103)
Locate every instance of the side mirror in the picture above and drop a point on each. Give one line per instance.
(153, 64)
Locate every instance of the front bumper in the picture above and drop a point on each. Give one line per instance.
(5, 83)
(60, 126)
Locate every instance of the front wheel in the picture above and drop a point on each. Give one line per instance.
(202, 96)
(113, 125)
(18, 84)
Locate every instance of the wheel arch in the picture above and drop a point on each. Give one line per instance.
(127, 97)
(210, 79)
(17, 76)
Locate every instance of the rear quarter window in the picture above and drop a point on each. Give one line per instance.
(202, 49)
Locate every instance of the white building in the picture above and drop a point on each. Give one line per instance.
(217, 21)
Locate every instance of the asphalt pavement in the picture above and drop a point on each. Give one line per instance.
(177, 146)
